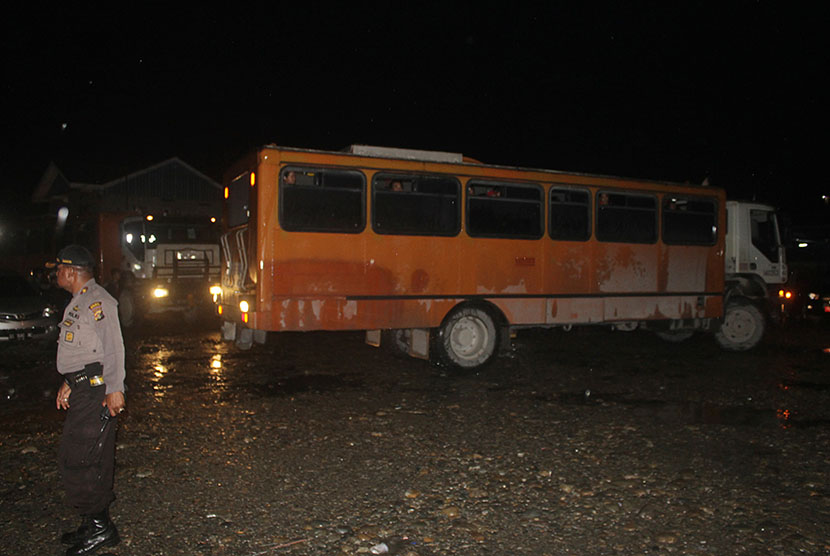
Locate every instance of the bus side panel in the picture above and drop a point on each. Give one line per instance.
(626, 268)
(501, 266)
(339, 313)
(577, 310)
(684, 268)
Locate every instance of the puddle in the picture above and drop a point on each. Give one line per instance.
(694, 413)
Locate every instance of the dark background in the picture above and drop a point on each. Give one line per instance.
(673, 91)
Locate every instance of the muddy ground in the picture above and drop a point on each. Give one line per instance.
(586, 442)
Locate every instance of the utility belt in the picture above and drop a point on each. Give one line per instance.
(92, 373)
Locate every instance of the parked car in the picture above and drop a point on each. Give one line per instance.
(25, 312)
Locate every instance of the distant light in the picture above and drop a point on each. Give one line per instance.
(129, 238)
(161, 292)
(226, 193)
(243, 306)
(63, 214)
(213, 219)
(803, 244)
(253, 179)
(149, 218)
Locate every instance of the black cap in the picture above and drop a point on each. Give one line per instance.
(75, 255)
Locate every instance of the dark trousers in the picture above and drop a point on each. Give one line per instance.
(86, 457)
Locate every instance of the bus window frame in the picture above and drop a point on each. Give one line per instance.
(475, 181)
(588, 211)
(390, 176)
(321, 168)
(629, 193)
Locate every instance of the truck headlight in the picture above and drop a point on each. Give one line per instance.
(215, 290)
(243, 306)
(161, 292)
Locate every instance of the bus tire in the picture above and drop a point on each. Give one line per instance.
(397, 340)
(244, 338)
(675, 336)
(742, 327)
(468, 338)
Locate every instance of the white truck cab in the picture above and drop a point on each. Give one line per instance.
(754, 261)
(753, 243)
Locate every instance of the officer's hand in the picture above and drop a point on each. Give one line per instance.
(115, 403)
(62, 400)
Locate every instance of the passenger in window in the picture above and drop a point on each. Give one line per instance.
(603, 199)
(396, 186)
(494, 192)
(290, 178)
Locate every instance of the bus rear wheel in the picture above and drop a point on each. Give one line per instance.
(742, 327)
(468, 338)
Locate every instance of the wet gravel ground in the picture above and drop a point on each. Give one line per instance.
(588, 442)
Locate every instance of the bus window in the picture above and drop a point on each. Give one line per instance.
(626, 218)
(570, 214)
(689, 221)
(321, 200)
(504, 210)
(415, 205)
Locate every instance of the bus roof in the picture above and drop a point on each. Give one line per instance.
(395, 153)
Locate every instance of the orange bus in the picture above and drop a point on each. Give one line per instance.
(448, 255)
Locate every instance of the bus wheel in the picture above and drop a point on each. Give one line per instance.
(468, 338)
(675, 336)
(397, 341)
(244, 338)
(742, 327)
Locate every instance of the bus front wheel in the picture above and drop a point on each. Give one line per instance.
(742, 327)
(468, 338)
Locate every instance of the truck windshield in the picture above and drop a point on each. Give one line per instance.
(765, 236)
(140, 235)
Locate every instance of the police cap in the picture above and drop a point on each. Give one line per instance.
(74, 255)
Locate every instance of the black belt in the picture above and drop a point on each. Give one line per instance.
(91, 373)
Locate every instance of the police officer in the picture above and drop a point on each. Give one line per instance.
(91, 360)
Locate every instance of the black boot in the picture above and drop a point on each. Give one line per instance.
(79, 534)
(101, 532)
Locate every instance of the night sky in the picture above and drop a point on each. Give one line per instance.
(666, 90)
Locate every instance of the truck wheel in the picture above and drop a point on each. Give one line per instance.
(742, 327)
(468, 338)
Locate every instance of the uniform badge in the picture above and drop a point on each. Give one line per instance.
(97, 310)
(68, 322)
(69, 336)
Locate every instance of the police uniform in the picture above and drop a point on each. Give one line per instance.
(91, 360)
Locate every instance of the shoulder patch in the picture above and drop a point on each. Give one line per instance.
(97, 310)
